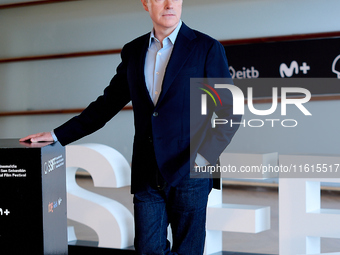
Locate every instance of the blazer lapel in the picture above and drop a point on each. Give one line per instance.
(141, 75)
(181, 51)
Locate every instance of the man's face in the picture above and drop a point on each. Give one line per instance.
(165, 14)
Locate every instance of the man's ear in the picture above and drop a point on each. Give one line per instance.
(144, 2)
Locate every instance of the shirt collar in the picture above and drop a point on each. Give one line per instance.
(172, 37)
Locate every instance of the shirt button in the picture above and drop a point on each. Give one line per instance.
(157, 73)
(155, 114)
(159, 53)
(156, 92)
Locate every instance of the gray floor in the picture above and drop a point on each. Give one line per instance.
(266, 242)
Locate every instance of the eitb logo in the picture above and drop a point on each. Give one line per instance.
(239, 104)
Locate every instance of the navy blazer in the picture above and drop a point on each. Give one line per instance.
(167, 125)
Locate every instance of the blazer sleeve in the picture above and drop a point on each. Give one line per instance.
(116, 95)
(217, 139)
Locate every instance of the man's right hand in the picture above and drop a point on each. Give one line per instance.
(40, 137)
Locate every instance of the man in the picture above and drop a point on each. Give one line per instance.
(155, 74)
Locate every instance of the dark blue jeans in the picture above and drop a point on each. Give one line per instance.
(183, 207)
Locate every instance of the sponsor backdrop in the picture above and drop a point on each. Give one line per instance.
(314, 58)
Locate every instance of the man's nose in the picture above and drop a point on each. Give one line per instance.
(169, 4)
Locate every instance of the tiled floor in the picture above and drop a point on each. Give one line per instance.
(263, 243)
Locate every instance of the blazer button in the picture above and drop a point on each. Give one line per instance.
(155, 114)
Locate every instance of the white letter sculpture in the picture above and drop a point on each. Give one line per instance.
(112, 222)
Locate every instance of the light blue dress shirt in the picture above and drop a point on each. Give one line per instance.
(156, 61)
